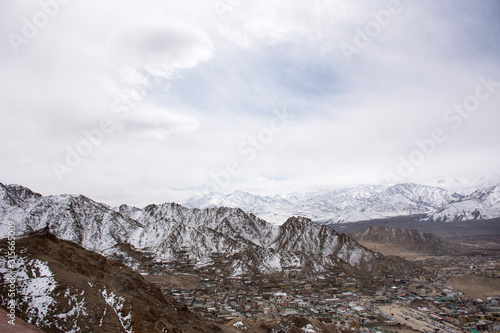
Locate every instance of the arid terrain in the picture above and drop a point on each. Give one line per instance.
(476, 286)
(395, 250)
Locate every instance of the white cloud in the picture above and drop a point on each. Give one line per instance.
(151, 122)
(159, 48)
(211, 83)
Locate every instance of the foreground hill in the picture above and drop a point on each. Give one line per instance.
(170, 233)
(61, 287)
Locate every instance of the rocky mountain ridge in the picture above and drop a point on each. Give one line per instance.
(410, 240)
(173, 233)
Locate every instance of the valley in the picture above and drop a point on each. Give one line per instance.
(345, 301)
(231, 271)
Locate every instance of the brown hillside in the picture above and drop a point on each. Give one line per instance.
(84, 291)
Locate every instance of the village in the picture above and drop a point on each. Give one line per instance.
(425, 303)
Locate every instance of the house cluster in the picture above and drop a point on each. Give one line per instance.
(427, 302)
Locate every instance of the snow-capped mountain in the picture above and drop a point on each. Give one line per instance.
(465, 185)
(76, 218)
(353, 204)
(481, 204)
(170, 232)
(337, 205)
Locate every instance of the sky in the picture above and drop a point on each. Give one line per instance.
(151, 101)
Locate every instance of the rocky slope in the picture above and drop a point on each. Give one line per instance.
(408, 240)
(61, 287)
(173, 233)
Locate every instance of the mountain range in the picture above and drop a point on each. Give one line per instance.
(169, 233)
(367, 202)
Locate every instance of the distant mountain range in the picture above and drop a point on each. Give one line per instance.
(330, 206)
(173, 233)
(465, 185)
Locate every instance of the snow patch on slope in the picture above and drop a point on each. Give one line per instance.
(117, 304)
(35, 284)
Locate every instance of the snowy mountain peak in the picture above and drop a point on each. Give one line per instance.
(360, 203)
(17, 194)
(481, 204)
(465, 185)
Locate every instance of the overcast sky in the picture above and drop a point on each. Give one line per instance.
(152, 101)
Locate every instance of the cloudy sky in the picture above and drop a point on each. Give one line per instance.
(152, 101)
